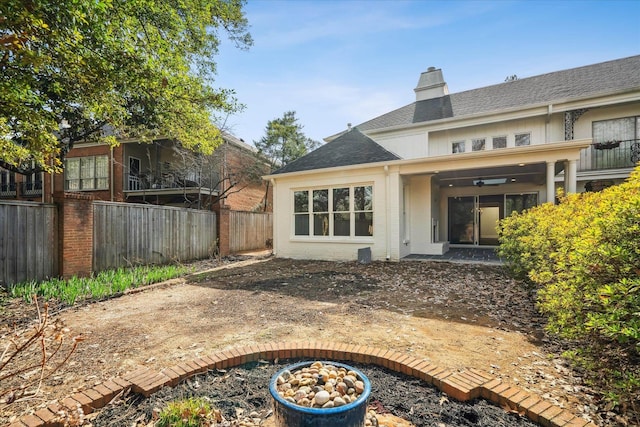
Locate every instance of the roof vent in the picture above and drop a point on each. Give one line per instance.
(431, 85)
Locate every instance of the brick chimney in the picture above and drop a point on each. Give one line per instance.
(431, 85)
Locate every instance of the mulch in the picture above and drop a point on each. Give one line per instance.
(244, 390)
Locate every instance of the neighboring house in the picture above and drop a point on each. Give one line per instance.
(442, 171)
(159, 172)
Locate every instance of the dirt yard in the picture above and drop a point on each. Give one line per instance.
(453, 315)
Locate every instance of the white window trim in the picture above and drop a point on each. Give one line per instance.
(311, 237)
(95, 178)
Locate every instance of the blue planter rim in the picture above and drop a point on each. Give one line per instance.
(320, 411)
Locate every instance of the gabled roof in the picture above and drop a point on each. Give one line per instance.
(605, 78)
(351, 148)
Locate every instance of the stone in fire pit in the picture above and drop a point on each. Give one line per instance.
(319, 394)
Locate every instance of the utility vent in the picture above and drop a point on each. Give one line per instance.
(364, 255)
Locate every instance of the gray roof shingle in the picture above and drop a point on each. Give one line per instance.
(351, 148)
(576, 83)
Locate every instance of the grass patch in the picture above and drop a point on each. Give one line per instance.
(103, 285)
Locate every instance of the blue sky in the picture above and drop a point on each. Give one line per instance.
(339, 62)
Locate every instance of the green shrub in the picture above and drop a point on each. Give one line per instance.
(584, 256)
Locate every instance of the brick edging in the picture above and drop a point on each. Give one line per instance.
(463, 385)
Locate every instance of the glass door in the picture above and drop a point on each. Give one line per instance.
(473, 220)
(462, 220)
(490, 211)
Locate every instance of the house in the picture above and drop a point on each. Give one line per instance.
(441, 171)
(160, 172)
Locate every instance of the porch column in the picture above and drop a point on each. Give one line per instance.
(551, 183)
(570, 174)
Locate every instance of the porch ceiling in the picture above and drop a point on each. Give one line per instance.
(534, 173)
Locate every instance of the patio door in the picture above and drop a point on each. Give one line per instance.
(473, 219)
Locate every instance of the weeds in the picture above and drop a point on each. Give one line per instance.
(31, 355)
(192, 412)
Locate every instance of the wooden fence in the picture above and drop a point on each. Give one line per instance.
(249, 230)
(127, 234)
(28, 242)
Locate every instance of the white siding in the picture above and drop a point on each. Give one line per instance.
(440, 142)
(406, 145)
(287, 245)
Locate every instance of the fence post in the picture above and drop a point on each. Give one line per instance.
(223, 234)
(75, 234)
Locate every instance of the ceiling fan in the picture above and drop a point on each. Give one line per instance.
(493, 181)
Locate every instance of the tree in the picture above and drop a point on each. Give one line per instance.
(99, 70)
(229, 170)
(284, 141)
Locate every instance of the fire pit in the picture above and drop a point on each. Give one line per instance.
(319, 394)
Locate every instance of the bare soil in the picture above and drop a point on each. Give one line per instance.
(453, 315)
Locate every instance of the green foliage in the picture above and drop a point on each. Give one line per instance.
(284, 141)
(584, 255)
(69, 69)
(192, 412)
(105, 284)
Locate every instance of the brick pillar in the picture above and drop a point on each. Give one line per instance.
(75, 234)
(223, 230)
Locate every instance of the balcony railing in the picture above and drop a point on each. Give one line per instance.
(8, 190)
(610, 155)
(161, 181)
(156, 182)
(29, 189)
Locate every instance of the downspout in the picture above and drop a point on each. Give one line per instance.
(52, 176)
(274, 210)
(388, 206)
(111, 184)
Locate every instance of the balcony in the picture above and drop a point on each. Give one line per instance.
(158, 182)
(31, 189)
(166, 188)
(8, 191)
(611, 155)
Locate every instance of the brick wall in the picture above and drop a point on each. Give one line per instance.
(115, 172)
(223, 231)
(244, 166)
(75, 235)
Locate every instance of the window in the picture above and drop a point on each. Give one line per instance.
(499, 142)
(519, 202)
(477, 144)
(320, 212)
(339, 212)
(341, 215)
(32, 184)
(457, 147)
(7, 183)
(301, 212)
(86, 173)
(523, 139)
(363, 209)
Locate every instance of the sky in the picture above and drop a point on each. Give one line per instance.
(340, 62)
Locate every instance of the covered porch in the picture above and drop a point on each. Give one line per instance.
(455, 201)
